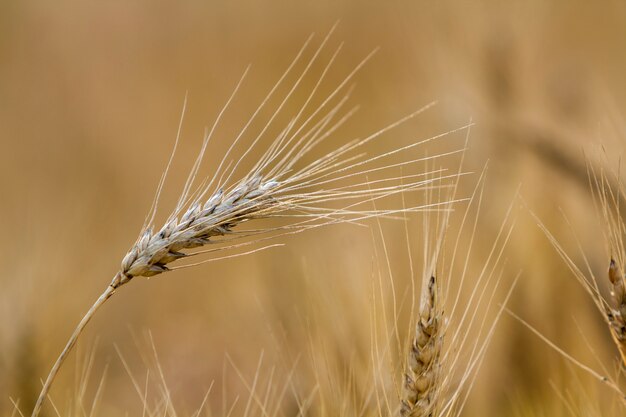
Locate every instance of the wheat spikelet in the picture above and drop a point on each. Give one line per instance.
(216, 217)
(422, 369)
(617, 313)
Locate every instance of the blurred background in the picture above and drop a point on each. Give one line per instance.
(90, 98)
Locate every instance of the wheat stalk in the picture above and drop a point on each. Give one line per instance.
(278, 186)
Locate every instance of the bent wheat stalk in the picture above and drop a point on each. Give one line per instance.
(279, 185)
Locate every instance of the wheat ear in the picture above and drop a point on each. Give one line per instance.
(422, 368)
(279, 185)
(607, 203)
(617, 313)
(451, 337)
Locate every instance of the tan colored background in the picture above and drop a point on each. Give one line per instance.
(90, 96)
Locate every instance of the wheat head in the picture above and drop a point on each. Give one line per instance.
(616, 314)
(422, 366)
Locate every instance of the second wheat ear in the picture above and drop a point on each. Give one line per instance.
(422, 369)
(333, 188)
(616, 314)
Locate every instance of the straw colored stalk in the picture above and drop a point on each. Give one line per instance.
(278, 185)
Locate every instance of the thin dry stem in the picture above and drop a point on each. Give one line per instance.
(110, 290)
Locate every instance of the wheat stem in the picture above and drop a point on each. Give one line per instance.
(110, 290)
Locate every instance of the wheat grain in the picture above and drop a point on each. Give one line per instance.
(422, 370)
(617, 314)
(223, 211)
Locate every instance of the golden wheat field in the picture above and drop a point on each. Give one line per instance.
(394, 208)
